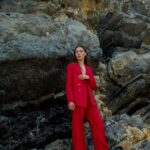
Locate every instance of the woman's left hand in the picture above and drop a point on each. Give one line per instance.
(83, 76)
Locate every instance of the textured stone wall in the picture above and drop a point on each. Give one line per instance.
(37, 38)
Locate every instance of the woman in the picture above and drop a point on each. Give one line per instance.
(80, 83)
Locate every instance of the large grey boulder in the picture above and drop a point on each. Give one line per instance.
(34, 52)
(123, 32)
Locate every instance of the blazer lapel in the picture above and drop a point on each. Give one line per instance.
(77, 69)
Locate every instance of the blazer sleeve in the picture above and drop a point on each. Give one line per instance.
(91, 81)
(69, 78)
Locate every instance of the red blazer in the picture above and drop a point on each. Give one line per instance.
(77, 90)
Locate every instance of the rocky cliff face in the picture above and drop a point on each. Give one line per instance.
(37, 38)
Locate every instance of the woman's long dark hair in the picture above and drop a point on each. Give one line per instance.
(85, 50)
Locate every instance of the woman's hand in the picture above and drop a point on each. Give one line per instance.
(71, 106)
(83, 76)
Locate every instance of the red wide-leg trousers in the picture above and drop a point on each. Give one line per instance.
(91, 113)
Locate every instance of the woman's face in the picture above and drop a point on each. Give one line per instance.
(80, 53)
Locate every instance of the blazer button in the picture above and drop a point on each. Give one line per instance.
(79, 90)
(78, 83)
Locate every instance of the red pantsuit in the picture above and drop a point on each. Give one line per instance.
(81, 93)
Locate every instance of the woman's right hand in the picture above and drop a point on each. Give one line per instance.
(71, 106)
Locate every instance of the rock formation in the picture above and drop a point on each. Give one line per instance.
(37, 38)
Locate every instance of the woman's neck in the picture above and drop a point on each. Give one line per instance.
(81, 63)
